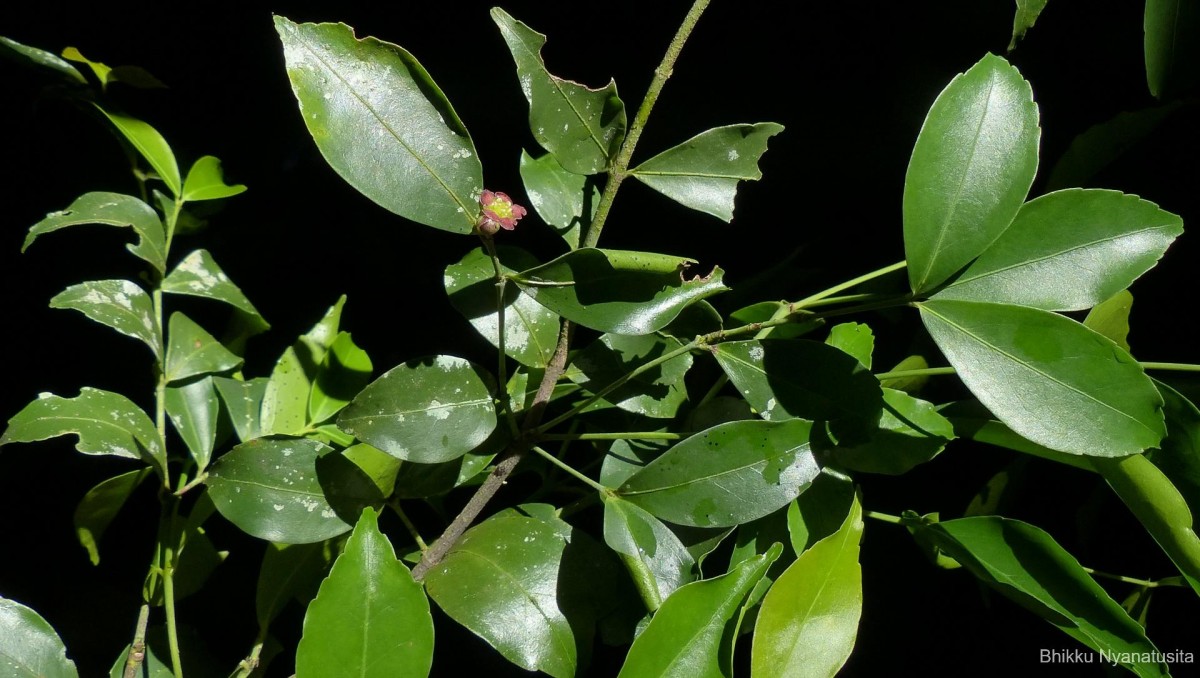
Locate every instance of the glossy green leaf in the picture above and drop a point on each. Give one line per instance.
(1025, 564)
(289, 491)
(971, 420)
(288, 571)
(106, 423)
(205, 181)
(199, 276)
(1171, 45)
(755, 538)
(191, 351)
(29, 646)
(381, 467)
(911, 432)
(616, 290)
(809, 620)
(287, 394)
(111, 209)
(1179, 455)
(501, 581)
(564, 200)
(789, 378)
(370, 618)
(691, 635)
(726, 475)
(657, 393)
(1024, 19)
(910, 385)
(100, 505)
(530, 329)
(150, 144)
(1042, 374)
(1110, 318)
(1068, 251)
(344, 372)
(703, 172)
(820, 510)
(656, 559)
(854, 339)
(627, 457)
(581, 127)
(101, 70)
(1102, 144)
(41, 58)
(415, 480)
(243, 402)
(193, 410)
(119, 304)
(428, 410)
(383, 124)
(971, 168)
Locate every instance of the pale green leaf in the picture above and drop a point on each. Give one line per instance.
(205, 181)
(150, 144)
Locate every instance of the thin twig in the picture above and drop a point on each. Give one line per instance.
(137, 649)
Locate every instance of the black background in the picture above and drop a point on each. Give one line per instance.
(850, 81)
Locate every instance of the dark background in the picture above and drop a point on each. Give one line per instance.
(851, 84)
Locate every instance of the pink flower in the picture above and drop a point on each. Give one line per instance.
(499, 211)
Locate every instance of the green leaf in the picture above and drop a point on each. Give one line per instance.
(289, 491)
(191, 351)
(1068, 251)
(193, 409)
(344, 372)
(564, 200)
(789, 378)
(415, 480)
(1110, 318)
(1102, 144)
(1025, 564)
(910, 385)
(809, 619)
(971, 167)
(691, 635)
(288, 397)
(287, 571)
(107, 424)
(618, 291)
(370, 618)
(243, 401)
(199, 276)
(150, 144)
(195, 566)
(111, 209)
(657, 393)
(703, 172)
(1024, 19)
(530, 329)
(100, 505)
(427, 410)
(1172, 46)
(974, 422)
(854, 339)
(500, 581)
(756, 538)
(101, 70)
(655, 557)
(581, 127)
(383, 124)
(206, 182)
(1043, 374)
(29, 645)
(119, 304)
(911, 432)
(820, 510)
(729, 474)
(381, 467)
(1179, 455)
(41, 58)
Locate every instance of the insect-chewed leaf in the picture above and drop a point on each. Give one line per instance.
(206, 182)
(29, 644)
(658, 393)
(192, 351)
(199, 276)
(119, 304)
(150, 144)
(111, 209)
(564, 200)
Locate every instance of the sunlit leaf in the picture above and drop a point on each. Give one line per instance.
(854, 339)
(150, 144)
(1110, 318)
(243, 402)
(344, 372)
(657, 555)
(206, 182)
(1024, 19)
(29, 645)
(564, 200)
(657, 393)
(199, 276)
(820, 510)
(111, 209)
(380, 467)
(100, 505)
(192, 351)
(910, 432)
(42, 59)
(193, 409)
(119, 304)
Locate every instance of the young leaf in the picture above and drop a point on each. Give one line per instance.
(287, 401)
(854, 339)
(729, 474)
(703, 172)
(1025, 564)
(1110, 318)
(1068, 251)
(287, 571)
(41, 58)
(971, 168)
(199, 276)
(344, 372)
(29, 645)
(1171, 45)
(910, 432)
(107, 423)
(193, 409)
(691, 635)
(100, 70)
(1024, 19)
(191, 351)
(383, 124)
(150, 144)
(119, 304)
(428, 410)
(1013, 359)
(657, 560)
(564, 200)
(809, 619)
(581, 127)
(910, 385)
(657, 393)
(206, 182)
(500, 581)
(111, 209)
(100, 505)
(243, 401)
(530, 329)
(370, 617)
(618, 291)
